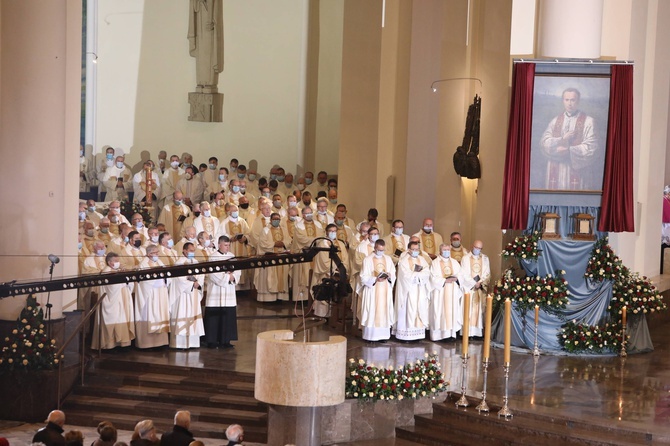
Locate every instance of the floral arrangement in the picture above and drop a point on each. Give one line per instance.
(523, 247)
(413, 380)
(604, 264)
(637, 294)
(581, 337)
(28, 347)
(550, 292)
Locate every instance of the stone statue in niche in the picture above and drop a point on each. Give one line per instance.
(205, 38)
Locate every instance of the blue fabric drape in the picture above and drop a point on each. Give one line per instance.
(588, 301)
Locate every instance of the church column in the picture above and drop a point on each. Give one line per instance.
(570, 28)
(40, 100)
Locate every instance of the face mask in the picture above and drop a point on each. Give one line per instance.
(414, 254)
(308, 217)
(252, 177)
(240, 176)
(301, 187)
(308, 180)
(100, 253)
(207, 213)
(186, 165)
(292, 217)
(266, 194)
(273, 176)
(178, 202)
(188, 176)
(80, 245)
(244, 205)
(275, 223)
(321, 212)
(170, 243)
(91, 208)
(139, 225)
(446, 254)
(427, 229)
(233, 169)
(332, 235)
(126, 239)
(82, 215)
(137, 243)
(292, 204)
(234, 214)
(154, 239)
(212, 166)
(339, 222)
(456, 244)
(289, 185)
(114, 219)
(109, 156)
(104, 230)
(196, 213)
(119, 165)
(333, 200)
(90, 233)
(192, 240)
(174, 164)
(476, 251)
(154, 259)
(222, 177)
(190, 255)
(280, 178)
(379, 253)
(374, 238)
(116, 265)
(206, 243)
(398, 231)
(277, 203)
(236, 189)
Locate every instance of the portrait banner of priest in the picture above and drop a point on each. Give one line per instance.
(569, 133)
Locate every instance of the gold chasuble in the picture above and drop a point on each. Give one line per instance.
(477, 295)
(428, 243)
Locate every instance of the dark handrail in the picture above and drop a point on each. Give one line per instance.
(77, 331)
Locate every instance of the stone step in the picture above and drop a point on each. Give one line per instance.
(433, 437)
(200, 429)
(124, 363)
(151, 409)
(182, 380)
(173, 395)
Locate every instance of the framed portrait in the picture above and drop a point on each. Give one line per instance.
(569, 131)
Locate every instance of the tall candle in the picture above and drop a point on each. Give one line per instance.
(508, 330)
(487, 327)
(537, 315)
(466, 324)
(623, 316)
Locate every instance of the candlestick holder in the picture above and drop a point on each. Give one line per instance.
(463, 401)
(504, 411)
(623, 352)
(482, 406)
(536, 350)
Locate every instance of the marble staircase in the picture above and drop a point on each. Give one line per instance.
(448, 425)
(125, 391)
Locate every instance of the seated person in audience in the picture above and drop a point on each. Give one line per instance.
(118, 180)
(52, 433)
(107, 434)
(166, 253)
(191, 187)
(145, 434)
(174, 214)
(74, 438)
(91, 212)
(180, 434)
(234, 434)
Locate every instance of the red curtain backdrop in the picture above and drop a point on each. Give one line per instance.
(516, 181)
(616, 213)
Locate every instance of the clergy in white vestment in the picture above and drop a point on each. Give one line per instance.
(278, 205)
(152, 315)
(221, 301)
(476, 272)
(457, 249)
(191, 186)
(133, 253)
(186, 325)
(170, 180)
(430, 240)
(114, 319)
(206, 221)
(305, 231)
(104, 161)
(446, 302)
(233, 194)
(272, 282)
(166, 252)
(220, 207)
(412, 296)
(118, 181)
(344, 231)
(322, 215)
(91, 212)
(376, 290)
(396, 241)
(210, 178)
(140, 183)
(325, 268)
(237, 230)
(372, 219)
(365, 247)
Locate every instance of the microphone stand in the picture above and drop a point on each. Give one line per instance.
(49, 305)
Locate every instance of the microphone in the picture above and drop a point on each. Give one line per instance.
(53, 258)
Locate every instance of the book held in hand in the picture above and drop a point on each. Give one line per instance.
(418, 268)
